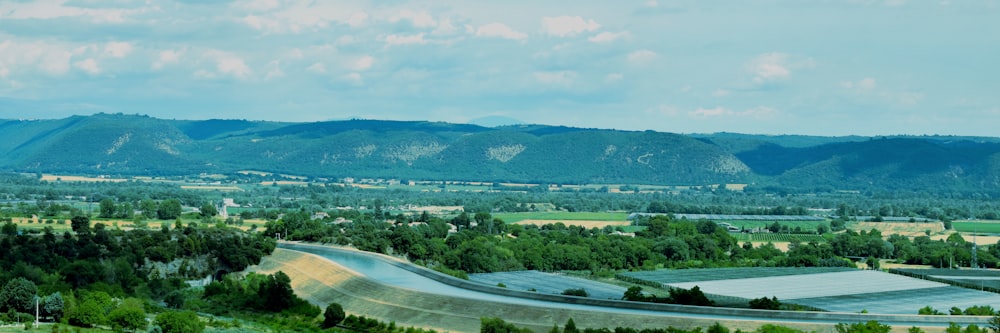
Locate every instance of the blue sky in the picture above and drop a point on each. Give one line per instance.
(823, 67)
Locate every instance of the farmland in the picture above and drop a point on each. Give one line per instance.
(831, 289)
(778, 238)
(562, 216)
(549, 283)
(992, 227)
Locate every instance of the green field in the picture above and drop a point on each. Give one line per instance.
(561, 216)
(779, 238)
(979, 227)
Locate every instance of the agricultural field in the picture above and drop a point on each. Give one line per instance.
(778, 238)
(750, 225)
(669, 276)
(901, 228)
(563, 216)
(983, 278)
(549, 283)
(991, 227)
(831, 289)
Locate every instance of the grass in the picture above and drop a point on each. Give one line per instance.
(562, 216)
(979, 227)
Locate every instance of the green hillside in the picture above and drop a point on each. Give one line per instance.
(141, 145)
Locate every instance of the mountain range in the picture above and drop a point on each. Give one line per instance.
(140, 145)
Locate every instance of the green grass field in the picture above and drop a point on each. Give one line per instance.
(979, 227)
(561, 216)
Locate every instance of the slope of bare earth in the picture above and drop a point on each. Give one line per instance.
(321, 281)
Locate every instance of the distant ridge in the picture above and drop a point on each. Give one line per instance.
(420, 150)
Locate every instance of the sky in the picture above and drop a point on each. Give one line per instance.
(814, 67)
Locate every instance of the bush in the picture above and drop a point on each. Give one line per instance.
(179, 322)
(333, 315)
(765, 303)
(579, 292)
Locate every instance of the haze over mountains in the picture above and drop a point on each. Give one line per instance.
(141, 145)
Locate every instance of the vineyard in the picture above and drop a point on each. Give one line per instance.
(779, 238)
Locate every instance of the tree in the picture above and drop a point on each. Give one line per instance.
(80, 224)
(570, 327)
(129, 316)
(18, 295)
(995, 323)
(179, 322)
(333, 315)
(209, 210)
(634, 293)
(169, 209)
(53, 306)
(579, 292)
(107, 208)
(765, 303)
(869, 327)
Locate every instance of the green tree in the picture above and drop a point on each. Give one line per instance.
(634, 293)
(87, 314)
(765, 303)
(108, 208)
(209, 210)
(169, 209)
(570, 327)
(333, 315)
(18, 295)
(179, 322)
(869, 327)
(995, 323)
(53, 306)
(80, 224)
(148, 208)
(129, 316)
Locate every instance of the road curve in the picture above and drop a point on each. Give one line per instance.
(391, 289)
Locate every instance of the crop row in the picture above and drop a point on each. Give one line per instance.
(780, 238)
(665, 276)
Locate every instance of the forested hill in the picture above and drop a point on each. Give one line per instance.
(140, 145)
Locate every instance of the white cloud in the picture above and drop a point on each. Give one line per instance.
(58, 9)
(563, 78)
(260, 5)
(118, 49)
(420, 19)
(895, 3)
(775, 67)
(264, 24)
(363, 63)
(721, 93)
(354, 78)
(345, 40)
(357, 19)
(318, 67)
(614, 77)
(229, 64)
(166, 57)
(606, 37)
(564, 26)
(865, 84)
(663, 110)
(56, 61)
(760, 112)
(652, 4)
(445, 28)
(405, 39)
(273, 70)
(88, 65)
(499, 30)
(4, 71)
(713, 112)
(642, 56)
